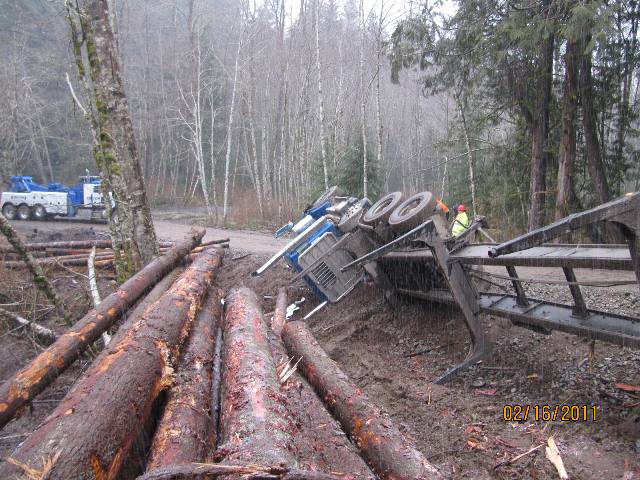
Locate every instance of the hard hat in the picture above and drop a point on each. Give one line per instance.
(462, 208)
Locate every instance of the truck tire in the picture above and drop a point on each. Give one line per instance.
(412, 212)
(24, 212)
(382, 209)
(9, 210)
(327, 195)
(39, 212)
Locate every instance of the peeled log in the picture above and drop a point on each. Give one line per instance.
(93, 429)
(389, 453)
(20, 389)
(183, 433)
(254, 424)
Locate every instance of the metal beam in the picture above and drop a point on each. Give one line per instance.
(612, 328)
(610, 257)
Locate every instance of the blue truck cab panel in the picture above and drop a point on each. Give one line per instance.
(292, 257)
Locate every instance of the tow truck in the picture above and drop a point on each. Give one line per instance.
(27, 199)
(404, 245)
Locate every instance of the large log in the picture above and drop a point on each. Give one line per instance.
(255, 426)
(391, 455)
(202, 471)
(183, 433)
(92, 430)
(20, 389)
(321, 444)
(73, 244)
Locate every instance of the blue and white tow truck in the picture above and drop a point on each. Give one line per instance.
(27, 199)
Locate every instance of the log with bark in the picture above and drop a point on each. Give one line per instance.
(73, 245)
(202, 471)
(321, 444)
(390, 454)
(184, 432)
(255, 426)
(92, 430)
(20, 389)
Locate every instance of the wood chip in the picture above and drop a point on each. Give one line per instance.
(553, 455)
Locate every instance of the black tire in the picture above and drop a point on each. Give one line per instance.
(382, 209)
(24, 212)
(412, 212)
(10, 211)
(327, 195)
(39, 212)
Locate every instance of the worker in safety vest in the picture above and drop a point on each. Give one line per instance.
(461, 222)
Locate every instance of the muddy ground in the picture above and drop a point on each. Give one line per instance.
(394, 354)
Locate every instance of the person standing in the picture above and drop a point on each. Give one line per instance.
(461, 222)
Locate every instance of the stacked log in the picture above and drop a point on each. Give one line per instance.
(391, 455)
(17, 391)
(52, 257)
(255, 426)
(92, 430)
(73, 244)
(321, 444)
(184, 433)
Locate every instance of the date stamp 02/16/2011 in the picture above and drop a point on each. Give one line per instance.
(550, 413)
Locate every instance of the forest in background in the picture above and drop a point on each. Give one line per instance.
(525, 110)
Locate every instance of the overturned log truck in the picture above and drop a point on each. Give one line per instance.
(405, 247)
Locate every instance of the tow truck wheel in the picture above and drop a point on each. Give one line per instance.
(24, 212)
(9, 211)
(412, 212)
(39, 212)
(382, 209)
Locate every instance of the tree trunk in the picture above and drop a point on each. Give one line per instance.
(227, 158)
(32, 379)
(39, 278)
(540, 133)
(567, 154)
(122, 386)
(115, 152)
(363, 104)
(593, 153)
(470, 162)
(323, 140)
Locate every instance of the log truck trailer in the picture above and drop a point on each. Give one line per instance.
(406, 248)
(27, 200)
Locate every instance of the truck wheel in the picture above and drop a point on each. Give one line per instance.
(24, 212)
(327, 195)
(382, 209)
(39, 212)
(9, 211)
(412, 212)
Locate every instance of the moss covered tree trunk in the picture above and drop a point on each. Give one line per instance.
(39, 278)
(134, 238)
